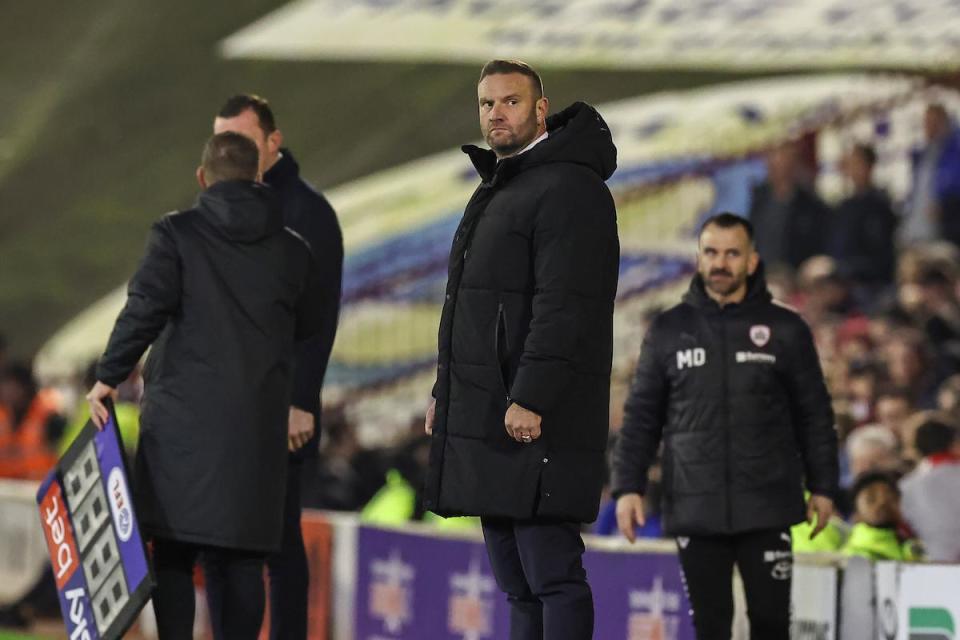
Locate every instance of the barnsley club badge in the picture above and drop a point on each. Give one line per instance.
(760, 334)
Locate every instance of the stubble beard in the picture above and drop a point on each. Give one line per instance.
(731, 286)
(516, 140)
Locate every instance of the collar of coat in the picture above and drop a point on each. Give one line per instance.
(283, 170)
(578, 135)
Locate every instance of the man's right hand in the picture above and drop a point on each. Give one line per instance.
(431, 411)
(98, 411)
(630, 515)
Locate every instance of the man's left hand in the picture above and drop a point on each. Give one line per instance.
(300, 429)
(821, 508)
(522, 424)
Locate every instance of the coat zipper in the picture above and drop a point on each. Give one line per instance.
(496, 348)
(726, 423)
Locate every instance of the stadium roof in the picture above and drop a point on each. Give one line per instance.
(624, 34)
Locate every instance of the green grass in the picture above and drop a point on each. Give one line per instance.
(106, 106)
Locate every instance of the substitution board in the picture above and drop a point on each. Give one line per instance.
(99, 561)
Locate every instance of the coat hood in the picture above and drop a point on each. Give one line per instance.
(577, 135)
(757, 292)
(242, 210)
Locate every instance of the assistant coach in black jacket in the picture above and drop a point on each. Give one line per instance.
(308, 213)
(222, 294)
(520, 418)
(731, 384)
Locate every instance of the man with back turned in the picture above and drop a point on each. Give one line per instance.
(221, 296)
(520, 413)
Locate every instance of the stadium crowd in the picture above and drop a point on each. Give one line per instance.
(879, 283)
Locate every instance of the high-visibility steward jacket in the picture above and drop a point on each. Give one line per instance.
(878, 543)
(25, 450)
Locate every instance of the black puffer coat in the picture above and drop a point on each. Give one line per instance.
(738, 398)
(528, 318)
(222, 296)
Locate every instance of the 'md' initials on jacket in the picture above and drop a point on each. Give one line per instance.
(691, 358)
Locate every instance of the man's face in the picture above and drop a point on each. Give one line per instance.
(510, 113)
(858, 169)
(725, 259)
(782, 163)
(248, 124)
(892, 411)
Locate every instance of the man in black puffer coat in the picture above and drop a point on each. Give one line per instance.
(730, 382)
(222, 294)
(520, 416)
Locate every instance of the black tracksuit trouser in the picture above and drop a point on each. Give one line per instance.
(287, 570)
(240, 574)
(765, 561)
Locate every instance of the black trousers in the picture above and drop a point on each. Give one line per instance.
(765, 561)
(288, 573)
(538, 565)
(240, 574)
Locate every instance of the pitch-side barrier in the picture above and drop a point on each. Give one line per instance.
(419, 583)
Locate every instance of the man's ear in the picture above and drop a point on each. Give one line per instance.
(543, 108)
(274, 142)
(201, 179)
(754, 261)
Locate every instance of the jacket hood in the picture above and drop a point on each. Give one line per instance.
(757, 292)
(577, 135)
(242, 210)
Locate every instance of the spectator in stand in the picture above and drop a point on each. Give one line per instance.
(31, 423)
(931, 493)
(861, 390)
(348, 475)
(892, 409)
(908, 360)
(863, 235)
(938, 315)
(825, 294)
(948, 397)
(872, 448)
(910, 456)
(932, 210)
(878, 532)
(789, 218)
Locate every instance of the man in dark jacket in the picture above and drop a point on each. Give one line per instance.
(520, 413)
(730, 382)
(222, 294)
(789, 217)
(864, 226)
(308, 213)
